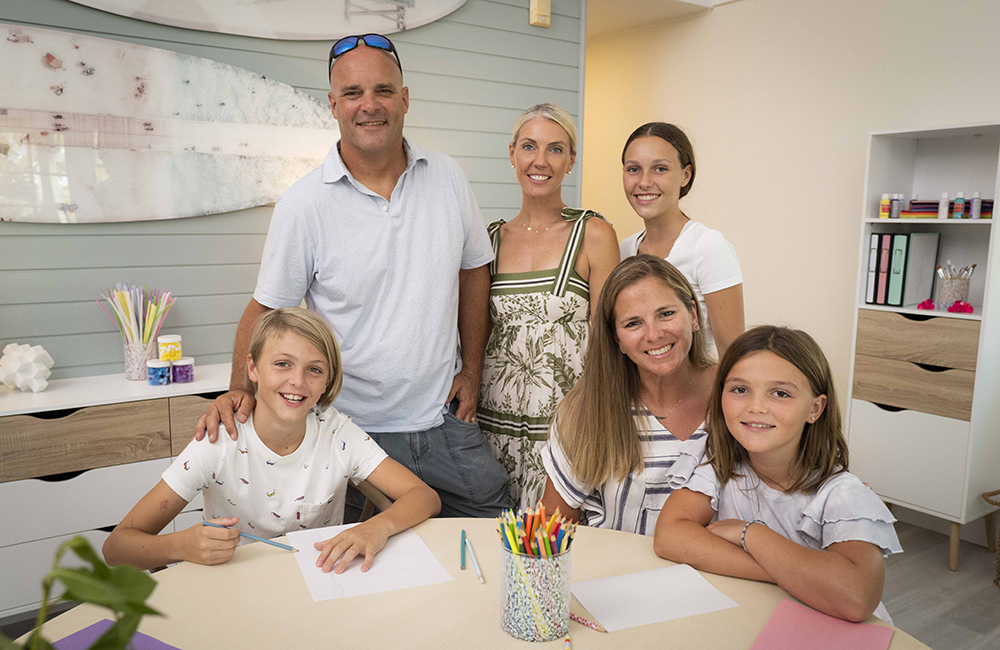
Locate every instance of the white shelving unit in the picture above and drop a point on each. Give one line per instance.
(923, 416)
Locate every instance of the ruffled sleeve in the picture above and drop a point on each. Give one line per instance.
(704, 480)
(844, 510)
(690, 455)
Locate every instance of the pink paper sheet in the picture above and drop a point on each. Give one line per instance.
(796, 627)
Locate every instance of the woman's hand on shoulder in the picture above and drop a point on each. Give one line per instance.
(338, 552)
(210, 545)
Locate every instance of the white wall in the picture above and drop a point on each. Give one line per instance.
(778, 97)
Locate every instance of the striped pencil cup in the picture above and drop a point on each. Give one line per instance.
(535, 594)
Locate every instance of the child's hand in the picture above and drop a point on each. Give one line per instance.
(728, 529)
(367, 539)
(210, 545)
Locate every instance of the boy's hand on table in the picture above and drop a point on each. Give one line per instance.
(366, 539)
(236, 402)
(210, 545)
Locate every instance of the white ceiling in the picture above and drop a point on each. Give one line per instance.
(611, 17)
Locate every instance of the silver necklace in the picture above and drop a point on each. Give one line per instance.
(683, 395)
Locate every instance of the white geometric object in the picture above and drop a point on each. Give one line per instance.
(25, 367)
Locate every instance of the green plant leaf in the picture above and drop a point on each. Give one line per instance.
(37, 643)
(82, 586)
(119, 635)
(133, 584)
(85, 552)
(7, 644)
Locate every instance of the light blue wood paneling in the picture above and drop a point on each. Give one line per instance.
(470, 75)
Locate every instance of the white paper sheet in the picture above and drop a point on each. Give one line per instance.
(652, 596)
(404, 562)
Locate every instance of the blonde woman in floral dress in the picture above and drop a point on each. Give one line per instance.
(549, 260)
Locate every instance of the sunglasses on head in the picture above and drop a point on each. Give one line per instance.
(349, 43)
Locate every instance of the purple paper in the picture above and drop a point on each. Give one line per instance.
(85, 638)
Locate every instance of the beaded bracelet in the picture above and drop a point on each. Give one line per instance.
(743, 535)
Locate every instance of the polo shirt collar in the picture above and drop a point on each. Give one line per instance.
(334, 168)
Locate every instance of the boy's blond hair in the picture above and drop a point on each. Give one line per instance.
(313, 329)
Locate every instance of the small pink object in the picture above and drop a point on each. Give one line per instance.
(927, 304)
(960, 308)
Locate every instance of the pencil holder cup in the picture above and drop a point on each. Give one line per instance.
(950, 290)
(535, 594)
(136, 356)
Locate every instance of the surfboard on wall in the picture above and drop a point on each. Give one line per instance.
(99, 130)
(284, 19)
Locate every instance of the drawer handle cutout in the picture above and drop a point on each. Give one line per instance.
(886, 407)
(917, 317)
(929, 368)
(54, 415)
(64, 476)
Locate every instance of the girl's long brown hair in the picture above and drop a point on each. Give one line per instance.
(596, 428)
(822, 449)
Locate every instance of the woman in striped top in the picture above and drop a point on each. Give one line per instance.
(641, 403)
(549, 260)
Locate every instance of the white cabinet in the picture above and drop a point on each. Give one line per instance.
(924, 401)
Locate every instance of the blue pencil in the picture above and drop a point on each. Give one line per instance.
(463, 550)
(249, 536)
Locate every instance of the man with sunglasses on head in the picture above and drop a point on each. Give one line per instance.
(385, 240)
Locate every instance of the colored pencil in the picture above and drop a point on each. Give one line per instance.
(475, 562)
(463, 549)
(582, 621)
(254, 537)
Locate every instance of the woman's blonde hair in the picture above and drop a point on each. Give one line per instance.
(549, 112)
(596, 427)
(822, 449)
(313, 329)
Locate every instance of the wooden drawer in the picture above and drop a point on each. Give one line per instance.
(96, 436)
(36, 508)
(906, 385)
(184, 414)
(24, 565)
(937, 341)
(910, 458)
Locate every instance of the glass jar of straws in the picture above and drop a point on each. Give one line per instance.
(536, 569)
(138, 313)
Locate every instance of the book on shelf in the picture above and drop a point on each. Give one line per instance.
(897, 269)
(901, 268)
(921, 260)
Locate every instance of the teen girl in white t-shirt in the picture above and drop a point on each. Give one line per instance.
(658, 169)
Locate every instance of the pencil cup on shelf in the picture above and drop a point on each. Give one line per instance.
(950, 290)
(136, 356)
(535, 593)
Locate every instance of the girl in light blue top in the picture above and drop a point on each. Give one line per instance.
(773, 500)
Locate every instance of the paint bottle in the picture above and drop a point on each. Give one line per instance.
(959, 211)
(884, 207)
(976, 206)
(896, 206)
(943, 206)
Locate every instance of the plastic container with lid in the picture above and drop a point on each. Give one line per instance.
(183, 370)
(158, 372)
(170, 347)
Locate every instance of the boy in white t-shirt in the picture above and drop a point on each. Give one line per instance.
(288, 469)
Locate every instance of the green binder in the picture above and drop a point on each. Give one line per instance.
(897, 270)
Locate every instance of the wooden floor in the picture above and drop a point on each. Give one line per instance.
(946, 610)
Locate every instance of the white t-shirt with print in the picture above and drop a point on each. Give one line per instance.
(274, 494)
